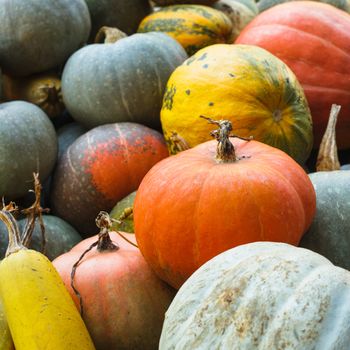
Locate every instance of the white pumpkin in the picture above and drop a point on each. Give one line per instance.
(261, 296)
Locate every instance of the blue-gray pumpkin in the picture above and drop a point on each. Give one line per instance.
(121, 81)
(37, 35)
(28, 144)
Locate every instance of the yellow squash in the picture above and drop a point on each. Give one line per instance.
(39, 311)
(245, 84)
(193, 26)
(5, 335)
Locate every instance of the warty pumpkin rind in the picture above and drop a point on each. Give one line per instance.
(193, 26)
(245, 84)
(261, 295)
(189, 208)
(313, 39)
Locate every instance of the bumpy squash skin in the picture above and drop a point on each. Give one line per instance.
(189, 208)
(124, 81)
(329, 233)
(39, 310)
(100, 168)
(50, 31)
(124, 301)
(261, 295)
(193, 26)
(312, 38)
(125, 15)
(247, 85)
(28, 144)
(6, 342)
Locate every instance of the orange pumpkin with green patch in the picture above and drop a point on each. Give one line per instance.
(245, 84)
(100, 168)
(193, 26)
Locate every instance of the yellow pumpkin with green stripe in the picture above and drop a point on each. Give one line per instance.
(245, 84)
(193, 26)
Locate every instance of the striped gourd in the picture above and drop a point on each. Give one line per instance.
(193, 26)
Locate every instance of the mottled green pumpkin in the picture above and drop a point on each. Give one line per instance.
(67, 134)
(37, 35)
(60, 236)
(123, 14)
(245, 84)
(123, 81)
(240, 12)
(121, 211)
(266, 4)
(28, 144)
(193, 26)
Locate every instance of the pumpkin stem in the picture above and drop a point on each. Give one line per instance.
(225, 151)
(104, 223)
(8, 219)
(108, 35)
(327, 158)
(33, 212)
(178, 142)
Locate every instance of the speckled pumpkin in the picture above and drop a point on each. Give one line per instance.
(193, 26)
(100, 168)
(245, 84)
(121, 211)
(264, 295)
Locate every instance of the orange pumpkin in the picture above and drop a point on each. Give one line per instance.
(202, 201)
(124, 302)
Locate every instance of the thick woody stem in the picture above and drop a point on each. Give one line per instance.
(327, 159)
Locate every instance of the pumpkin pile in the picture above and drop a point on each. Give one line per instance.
(174, 174)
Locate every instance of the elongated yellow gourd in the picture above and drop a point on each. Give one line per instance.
(39, 311)
(5, 335)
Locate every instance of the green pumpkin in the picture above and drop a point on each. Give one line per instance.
(240, 12)
(60, 236)
(28, 144)
(120, 210)
(67, 134)
(329, 233)
(125, 15)
(123, 81)
(37, 35)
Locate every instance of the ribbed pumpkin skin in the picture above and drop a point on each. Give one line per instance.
(125, 81)
(341, 4)
(125, 15)
(329, 233)
(189, 208)
(49, 32)
(193, 26)
(100, 168)
(28, 144)
(245, 84)
(264, 295)
(313, 40)
(131, 312)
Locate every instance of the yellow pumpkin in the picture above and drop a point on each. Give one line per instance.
(245, 84)
(193, 26)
